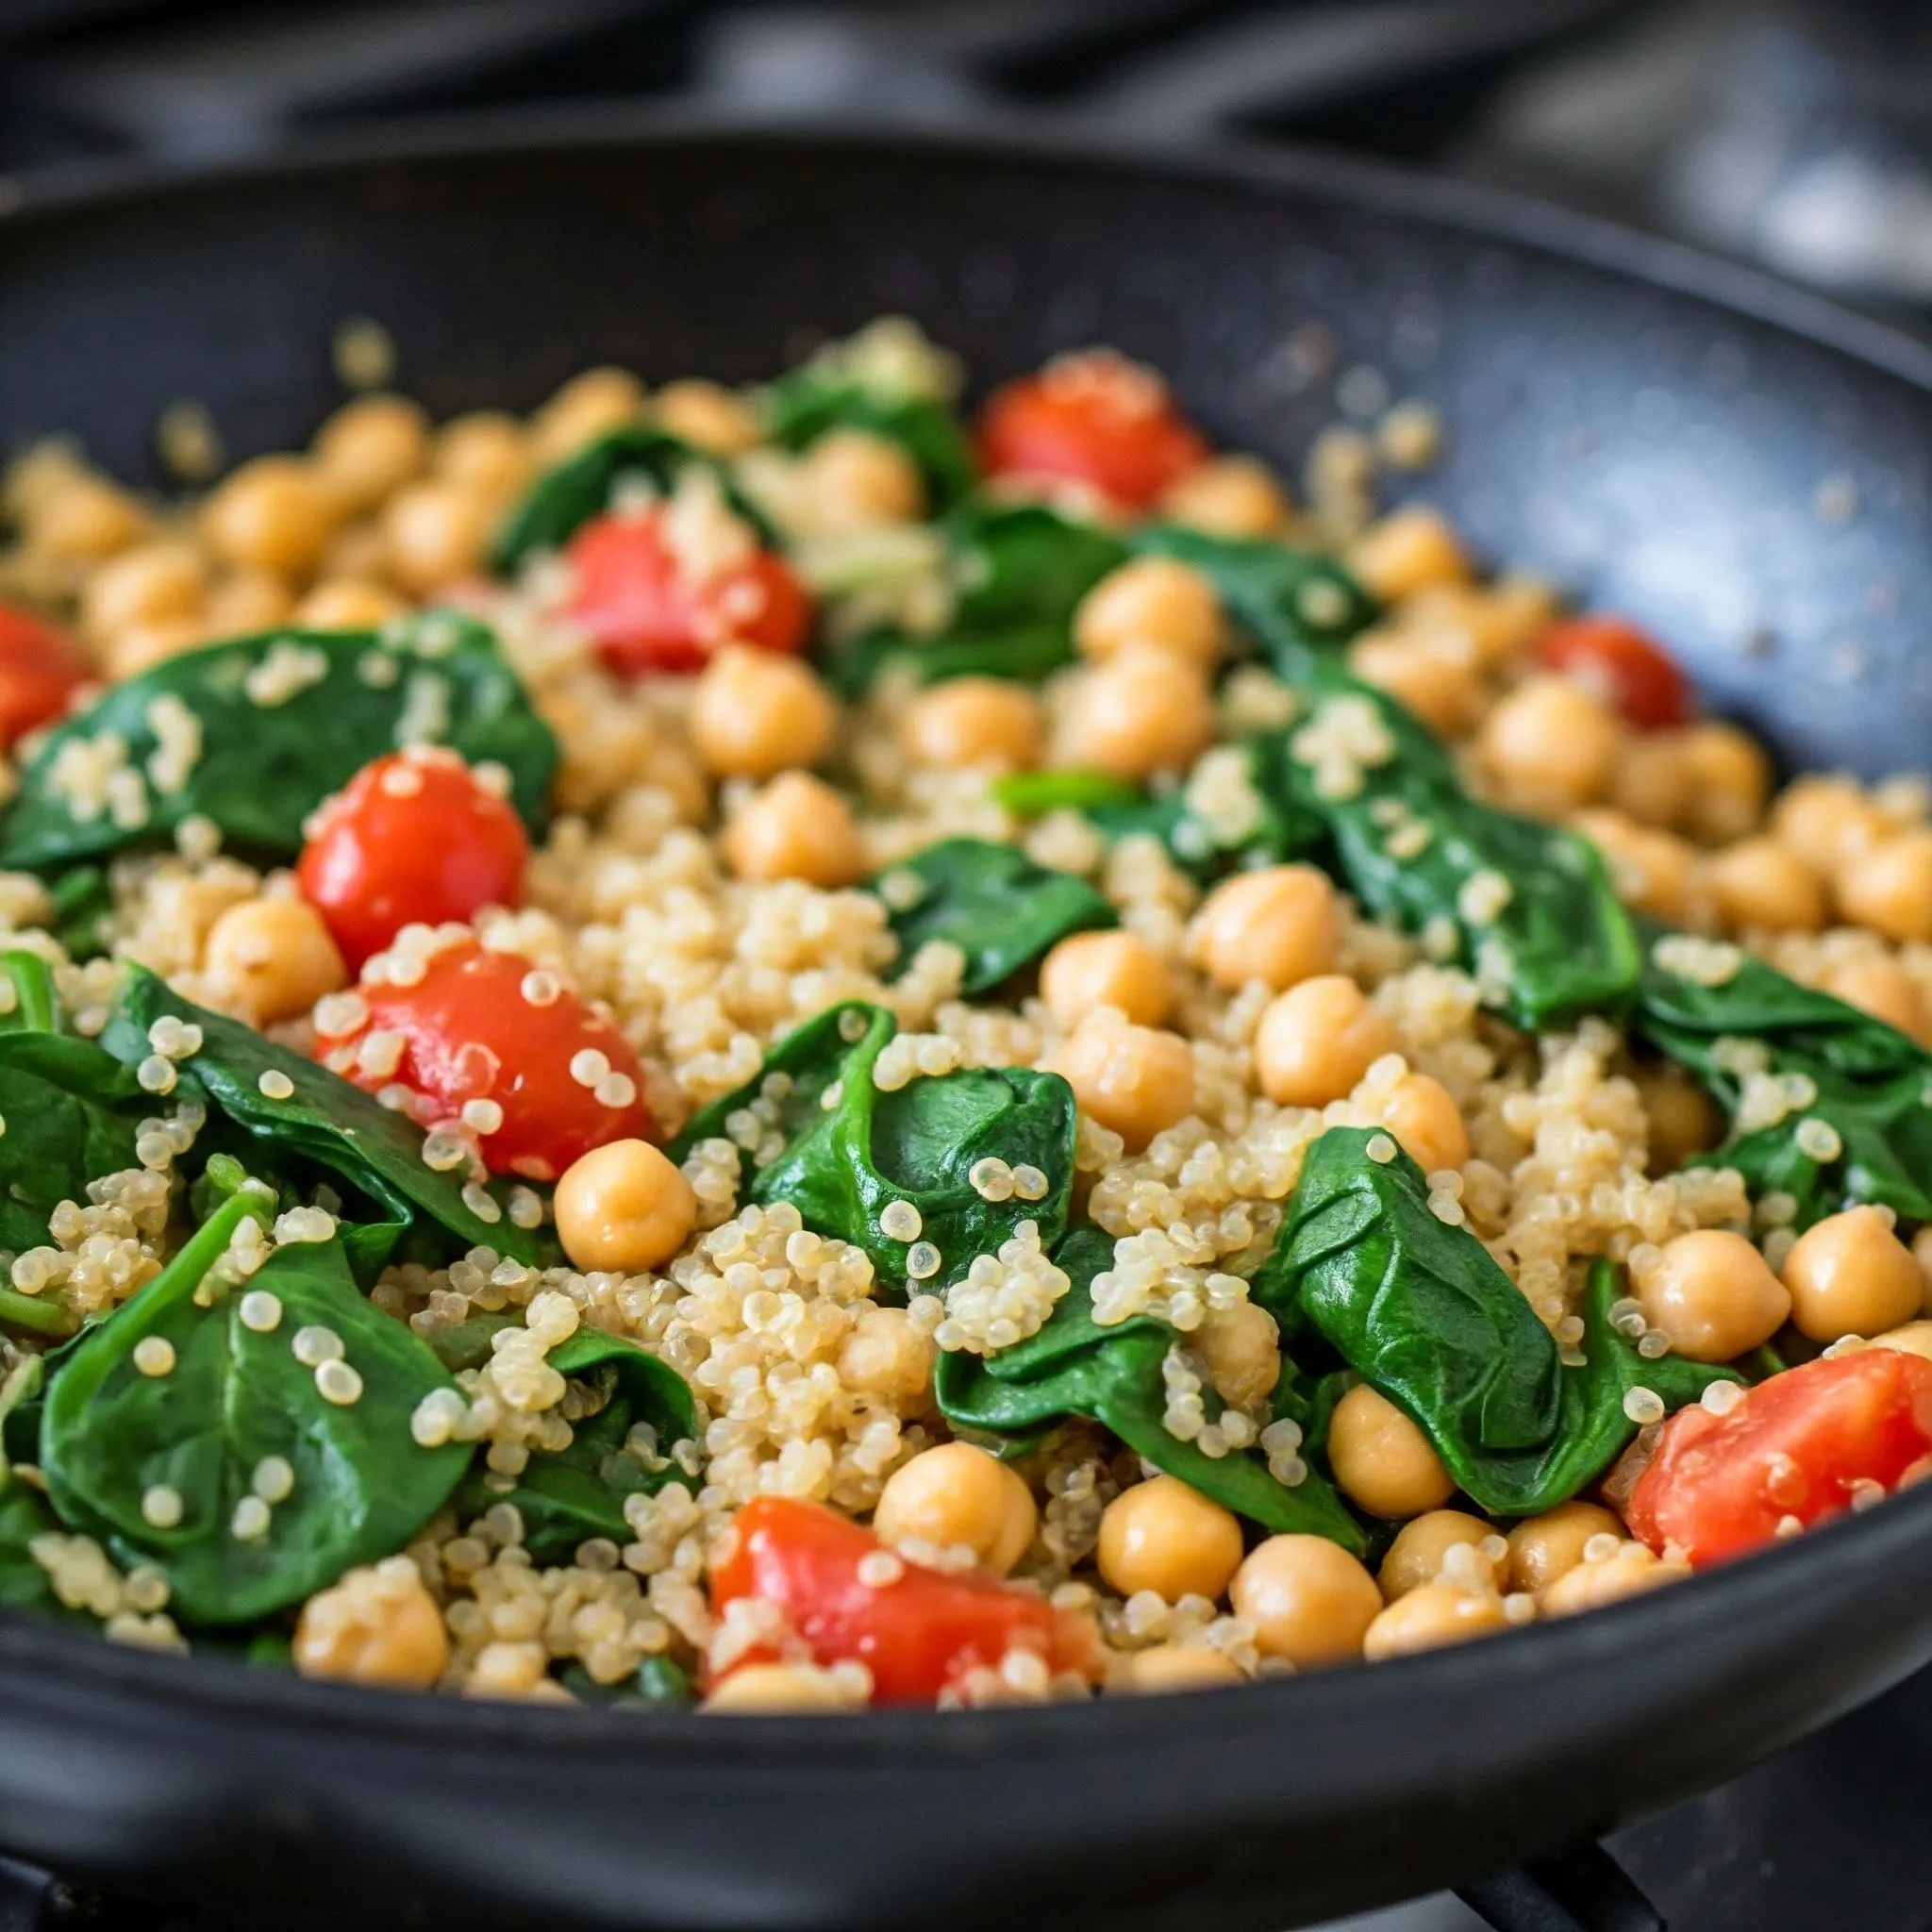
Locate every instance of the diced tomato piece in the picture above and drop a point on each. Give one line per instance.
(40, 668)
(545, 1076)
(1095, 419)
(1623, 667)
(416, 837)
(918, 1633)
(1798, 1448)
(649, 610)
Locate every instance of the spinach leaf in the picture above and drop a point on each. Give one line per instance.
(992, 902)
(24, 1516)
(1863, 1081)
(83, 917)
(567, 1496)
(816, 397)
(582, 487)
(34, 1005)
(234, 1396)
(841, 1164)
(1422, 1311)
(658, 1684)
(324, 704)
(1293, 601)
(1072, 1367)
(326, 1120)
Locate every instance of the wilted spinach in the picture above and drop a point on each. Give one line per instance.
(841, 1150)
(1422, 1311)
(1292, 601)
(819, 395)
(992, 902)
(324, 704)
(1074, 1367)
(1863, 1081)
(111, 1435)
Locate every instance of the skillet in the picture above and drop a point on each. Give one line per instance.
(1738, 467)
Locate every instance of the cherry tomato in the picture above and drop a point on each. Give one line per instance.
(40, 666)
(1622, 666)
(414, 837)
(1092, 418)
(647, 611)
(1796, 1448)
(917, 1634)
(543, 1076)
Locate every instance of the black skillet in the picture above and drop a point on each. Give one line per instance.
(1740, 468)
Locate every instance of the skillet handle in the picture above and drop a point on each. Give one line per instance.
(1584, 1891)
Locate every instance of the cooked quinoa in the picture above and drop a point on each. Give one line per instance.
(1025, 991)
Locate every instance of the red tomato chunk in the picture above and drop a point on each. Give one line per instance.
(1798, 1449)
(917, 1631)
(417, 837)
(1095, 419)
(1622, 666)
(649, 608)
(40, 667)
(535, 1075)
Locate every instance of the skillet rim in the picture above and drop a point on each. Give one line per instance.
(63, 1665)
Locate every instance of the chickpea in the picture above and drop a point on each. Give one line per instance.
(274, 513)
(1629, 1572)
(1137, 1080)
(1730, 781)
(1381, 1459)
(1241, 1347)
(1884, 990)
(707, 415)
(1711, 1296)
(1278, 926)
(1308, 1600)
(1426, 1122)
(369, 448)
(349, 604)
(973, 722)
(1416, 1556)
(852, 481)
(1827, 822)
(960, 1496)
(1153, 600)
(1429, 1617)
(152, 583)
(247, 600)
(1653, 780)
(755, 713)
(798, 827)
(357, 550)
(1912, 1338)
(433, 534)
(1759, 882)
(778, 1691)
(140, 647)
(586, 408)
(373, 1626)
(1407, 551)
(1542, 1548)
(485, 453)
(1162, 1536)
(506, 1668)
(623, 1208)
(1683, 1120)
(888, 1355)
(84, 517)
(1551, 746)
(1316, 1040)
(273, 959)
(1654, 872)
(1889, 887)
(1088, 970)
(1435, 677)
(1228, 497)
(1851, 1274)
(1180, 1667)
(1145, 710)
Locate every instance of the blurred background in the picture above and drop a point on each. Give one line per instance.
(1795, 133)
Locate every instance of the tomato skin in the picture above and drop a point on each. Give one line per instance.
(40, 668)
(1715, 1489)
(1094, 419)
(470, 1031)
(916, 1635)
(1630, 670)
(645, 614)
(412, 837)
